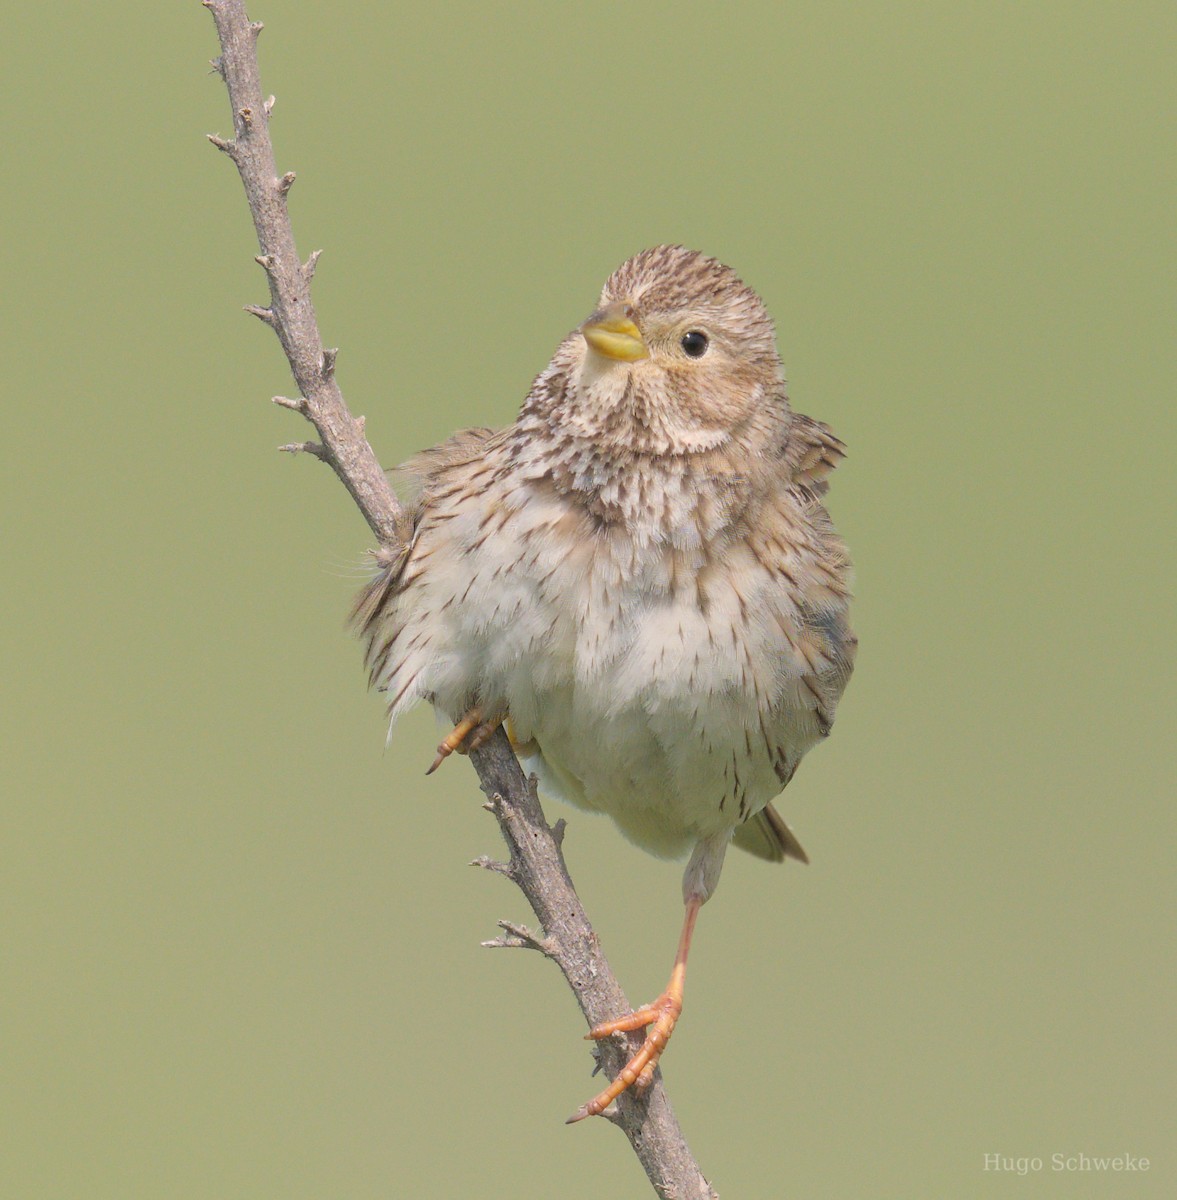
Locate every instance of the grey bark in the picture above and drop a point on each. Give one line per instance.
(535, 863)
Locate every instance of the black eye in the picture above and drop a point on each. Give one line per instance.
(695, 343)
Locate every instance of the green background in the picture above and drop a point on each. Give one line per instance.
(240, 940)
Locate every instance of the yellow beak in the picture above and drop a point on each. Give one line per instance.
(611, 332)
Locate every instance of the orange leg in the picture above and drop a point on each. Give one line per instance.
(661, 1017)
(468, 734)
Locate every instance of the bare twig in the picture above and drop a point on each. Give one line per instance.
(314, 449)
(291, 312)
(536, 861)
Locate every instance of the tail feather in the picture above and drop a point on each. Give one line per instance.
(767, 836)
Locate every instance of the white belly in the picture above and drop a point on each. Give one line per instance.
(669, 720)
(659, 686)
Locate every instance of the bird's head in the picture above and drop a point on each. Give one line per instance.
(679, 354)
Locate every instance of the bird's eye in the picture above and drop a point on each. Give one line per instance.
(695, 343)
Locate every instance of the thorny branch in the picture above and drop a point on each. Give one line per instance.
(535, 863)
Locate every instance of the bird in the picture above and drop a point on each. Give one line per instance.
(640, 577)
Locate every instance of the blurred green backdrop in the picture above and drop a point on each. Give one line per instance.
(240, 941)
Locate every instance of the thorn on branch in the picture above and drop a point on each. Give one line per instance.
(494, 805)
(263, 314)
(502, 942)
(296, 404)
(598, 1063)
(224, 145)
(327, 363)
(286, 183)
(557, 831)
(308, 268)
(218, 67)
(255, 27)
(269, 105)
(265, 260)
(519, 937)
(314, 449)
(490, 864)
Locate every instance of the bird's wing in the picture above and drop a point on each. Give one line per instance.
(820, 569)
(767, 836)
(812, 452)
(422, 472)
(460, 447)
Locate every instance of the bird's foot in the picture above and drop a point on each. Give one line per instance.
(468, 734)
(661, 1018)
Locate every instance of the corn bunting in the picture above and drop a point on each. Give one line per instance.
(640, 577)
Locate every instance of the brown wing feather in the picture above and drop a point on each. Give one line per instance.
(459, 447)
(812, 452)
(373, 601)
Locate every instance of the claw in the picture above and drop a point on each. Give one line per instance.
(481, 735)
(468, 734)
